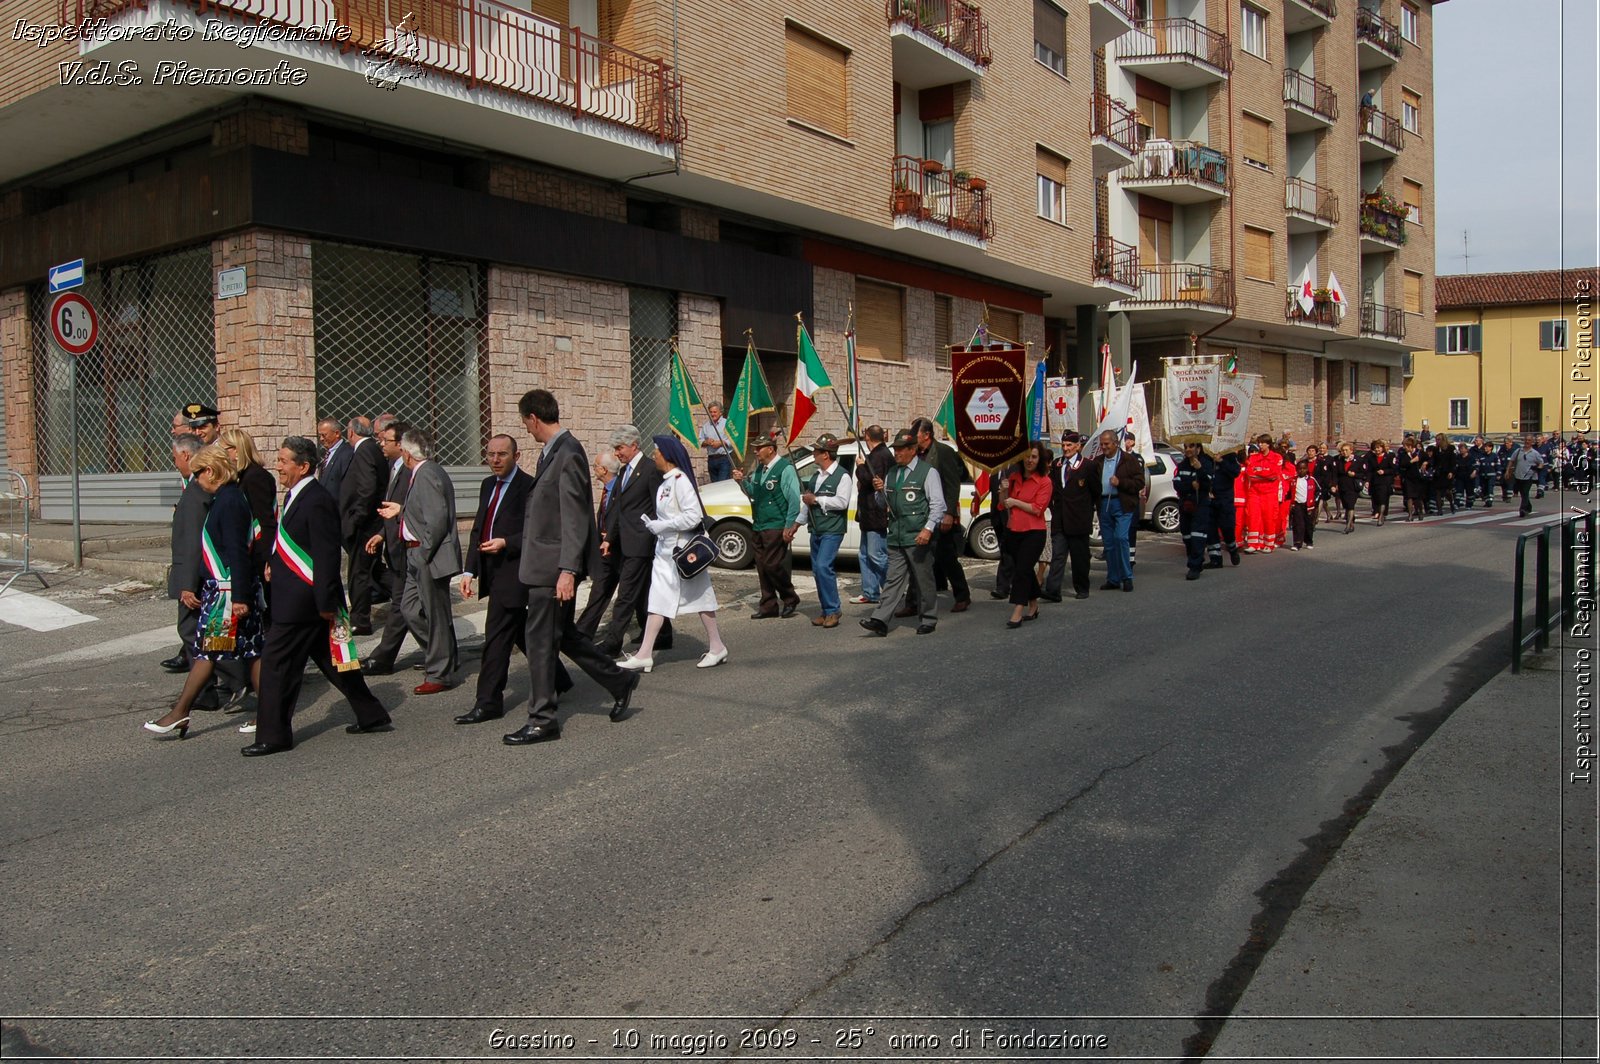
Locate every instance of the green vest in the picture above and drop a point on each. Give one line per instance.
(767, 506)
(908, 503)
(827, 522)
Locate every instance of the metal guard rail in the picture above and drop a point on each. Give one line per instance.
(1544, 619)
(482, 43)
(26, 497)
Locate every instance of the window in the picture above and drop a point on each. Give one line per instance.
(1257, 141)
(1257, 253)
(880, 321)
(1050, 36)
(1411, 111)
(1005, 325)
(1052, 186)
(1353, 393)
(1413, 292)
(943, 311)
(1274, 375)
(1155, 240)
(1457, 339)
(817, 85)
(1408, 22)
(1553, 335)
(1253, 30)
(1459, 414)
(1380, 386)
(1411, 195)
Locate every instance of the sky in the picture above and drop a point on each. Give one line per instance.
(1515, 127)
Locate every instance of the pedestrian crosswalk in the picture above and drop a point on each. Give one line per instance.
(1500, 517)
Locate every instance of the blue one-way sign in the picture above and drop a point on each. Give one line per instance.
(67, 275)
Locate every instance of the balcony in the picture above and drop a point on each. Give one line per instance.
(1381, 322)
(1110, 19)
(1324, 312)
(1178, 171)
(1382, 135)
(1114, 133)
(1116, 264)
(1378, 41)
(1312, 208)
(931, 199)
(1183, 284)
(1177, 52)
(1308, 104)
(1302, 15)
(1383, 224)
(936, 42)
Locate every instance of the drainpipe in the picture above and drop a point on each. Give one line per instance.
(1233, 264)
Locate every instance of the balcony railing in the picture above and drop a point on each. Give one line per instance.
(1382, 224)
(1323, 311)
(483, 44)
(1178, 160)
(1115, 261)
(1383, 128)
(957, 25)
(1129, 8)
(1184, 282)
(1328, 8)
(1177, 38)
(1115, 121)
(929, 193)
(1379, 320)
(1315, 96)
(1305, 197)
(1373, 27)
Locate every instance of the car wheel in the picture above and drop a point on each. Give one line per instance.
(1165, 516)
(983, 540)
(734, 547)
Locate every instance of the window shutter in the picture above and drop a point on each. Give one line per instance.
(817, 92)
(880, 322)
(1257, 253)
(1052, 166)
(1438, 340)
(1050, 26)
(942, 310)
(1258, 139)
(1006, 324)
(1413, 292)
(1475, 338)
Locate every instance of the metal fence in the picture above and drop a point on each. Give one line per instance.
(155, 353)
(403, 333)
(652, 323)
(16, 550)
(1577, 583)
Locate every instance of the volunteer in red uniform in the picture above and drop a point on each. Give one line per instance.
(1263, 478)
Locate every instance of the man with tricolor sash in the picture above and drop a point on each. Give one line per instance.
(309, 618)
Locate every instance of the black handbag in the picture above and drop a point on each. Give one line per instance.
(695, 556)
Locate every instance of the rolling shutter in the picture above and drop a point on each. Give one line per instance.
(880, 322)
(1258, 253)
(1005, 324)
(816, 83)
(1258, 140)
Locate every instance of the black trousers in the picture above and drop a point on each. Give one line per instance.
(1524, 487)
(551, 629)
(1025, 549)
(1303, 521)
(395, 627)
(1062, 548)
(947, 570)
(1194, 527)
(283, 667)
(1224, 521)
(1006, 565)
(633, 598)
(775, 567)
(358, 581)
(504, 628)
(601, 588)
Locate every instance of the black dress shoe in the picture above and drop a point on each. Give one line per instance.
(176, 663)
(1192, 574)
(361, 629)
(998, 594)
(762, 615)
(875, 626)
(1049, 598)
(926, 629)
(1109, 585)
(619, 708)
(263, 749)
(905, 611)
(1127, 585)
(790, 610)
(479, 714)
(529, 734)
(1215, 563)
(376, 668)
(367, 729)
(1081, 595)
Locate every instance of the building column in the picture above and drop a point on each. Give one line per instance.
(16, 388)
(265, 340)
(700, 344)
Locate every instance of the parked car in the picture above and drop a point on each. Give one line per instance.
(1161, 507)
(729, 511)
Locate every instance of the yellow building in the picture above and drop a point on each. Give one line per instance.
(1505, 345)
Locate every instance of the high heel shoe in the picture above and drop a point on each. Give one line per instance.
(1014, 624)
(1034, 616)
(181, 726)
(633, 664)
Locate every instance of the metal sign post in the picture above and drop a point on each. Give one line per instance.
(75, 327)
(77, 514)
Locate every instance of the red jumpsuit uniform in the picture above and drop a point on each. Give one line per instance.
(1263, 477)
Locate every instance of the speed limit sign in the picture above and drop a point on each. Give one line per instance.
(73, 323)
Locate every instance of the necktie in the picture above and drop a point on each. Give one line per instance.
(494, 504)
(626, 470)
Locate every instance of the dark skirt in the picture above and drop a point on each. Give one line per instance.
(247, 637)
(1025, 549)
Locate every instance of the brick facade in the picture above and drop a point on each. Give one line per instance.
(261, 126)
(16, 385)
(526, 183)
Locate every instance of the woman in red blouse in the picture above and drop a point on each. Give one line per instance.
(1027, 498)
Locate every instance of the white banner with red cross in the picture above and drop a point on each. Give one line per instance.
(1191, 402)
(1061, 406)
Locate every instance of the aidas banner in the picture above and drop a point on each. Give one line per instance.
(989, 386)
(1191, 403)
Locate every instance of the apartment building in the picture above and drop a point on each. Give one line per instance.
(439, 204)
(1512, 352)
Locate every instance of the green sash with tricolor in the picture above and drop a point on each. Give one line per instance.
(295, 557)
(342, 642)
(219, 627)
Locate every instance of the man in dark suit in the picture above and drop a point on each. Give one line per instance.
(560, 547)
(306, 594)
(626, 543)
(360, 492)
(603, 583)
(381, 661)
(335, 457)
(433, 556)
(1071, 519)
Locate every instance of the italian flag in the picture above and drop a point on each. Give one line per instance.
(809, 379)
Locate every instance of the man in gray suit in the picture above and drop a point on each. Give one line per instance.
(560, 548)
(388, 545)
(433, 556)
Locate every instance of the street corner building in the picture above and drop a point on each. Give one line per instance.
(464, 199)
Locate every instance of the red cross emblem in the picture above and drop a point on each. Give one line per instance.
(1194, 400)
(1225, 409)
(1061, 406)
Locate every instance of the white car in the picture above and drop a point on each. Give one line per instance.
(729, 511)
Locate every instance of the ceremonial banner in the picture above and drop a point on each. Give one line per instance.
(1234, 396)
(1061, 402)
(1139, 422)
(1119, 412)
(751, 396)
(1036, 404)
(1191, 402)
(683, 397)
(989, 390)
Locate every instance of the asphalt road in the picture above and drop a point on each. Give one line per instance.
(1076, 825)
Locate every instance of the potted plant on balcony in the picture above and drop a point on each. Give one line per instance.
(907, 200)
(932, 166)
(977, 184)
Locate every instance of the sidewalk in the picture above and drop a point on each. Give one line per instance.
(130, 550)
(1437, 929)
